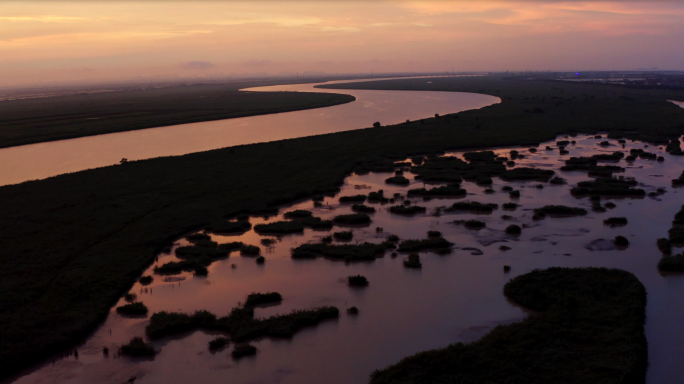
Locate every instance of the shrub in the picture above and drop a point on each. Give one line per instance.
(362, 208)
(230, 226)
(137, 348)
(510, 206)
(244, 350)
(356, 218)
(298, 214)
(615, 221)
(557, 181)
(357, 281)
(353, 199)
(514, 194)
(434, 234)
(424, 244)
(404, 210)
(201, 271)
(664, 246)
(475, 224)
(524, 173)
(195, 237)
(217, 343)
(608, 186)
(507, 188)
(260, 260)
(250, 250)
(344, 235)
(398, 180)
(560, 210)
(254, 299)
(413, 261)
(136, 308)
(280, 227)
(676, 235)
(621, 241)
(513, 229)
(672, 263)
(146, 280)
(393, 238)
(352, 311)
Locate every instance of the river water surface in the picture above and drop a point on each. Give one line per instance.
(38, 161)
(454, 297)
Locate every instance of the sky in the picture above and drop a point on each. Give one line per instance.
(46, 42)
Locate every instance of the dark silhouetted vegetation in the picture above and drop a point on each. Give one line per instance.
(343, 235)
(413, 261)
(217, 343)
(424, 244)
(664, 246)
(615, 221)
(137, 347)
(474, 224)
(434, 234)
(280, 227)
(244, 350)
(352, 311)
(559, 210)
(299, 214)
(584, 319)
(230, 226)
(356, 218)
(146, 280)
(353, 199)
(357, 281)
(362, 208)
(254, 299)
(398, 180)
(621, 241)
(250, 250)
(513, 229)
(135, 309)
(608, 186)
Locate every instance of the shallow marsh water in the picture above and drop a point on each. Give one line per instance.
(38, 161)
(454, 297)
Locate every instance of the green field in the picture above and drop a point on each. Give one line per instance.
(28, 121)
(72, 244)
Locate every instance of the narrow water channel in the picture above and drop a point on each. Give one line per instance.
(42, 160)
(454, 297)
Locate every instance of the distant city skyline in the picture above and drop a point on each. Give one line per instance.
(45, 42)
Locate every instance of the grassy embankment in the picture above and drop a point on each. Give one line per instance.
(28, 121)
(588, 328)
(72, 244)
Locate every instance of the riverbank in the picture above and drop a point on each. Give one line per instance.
(77, 241)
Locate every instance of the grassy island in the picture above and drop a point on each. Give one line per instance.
(588, 327)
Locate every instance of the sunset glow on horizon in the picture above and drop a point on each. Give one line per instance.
(42, 42)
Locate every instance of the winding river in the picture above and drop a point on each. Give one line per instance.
(42, 160)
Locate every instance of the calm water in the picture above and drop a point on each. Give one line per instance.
(456, 297)
(38, 161)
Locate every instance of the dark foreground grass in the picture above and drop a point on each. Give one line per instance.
(73, 244)
(588, 328)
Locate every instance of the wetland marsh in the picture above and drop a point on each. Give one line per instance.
(454, 297)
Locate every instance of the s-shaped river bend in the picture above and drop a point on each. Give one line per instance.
(42, 160)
